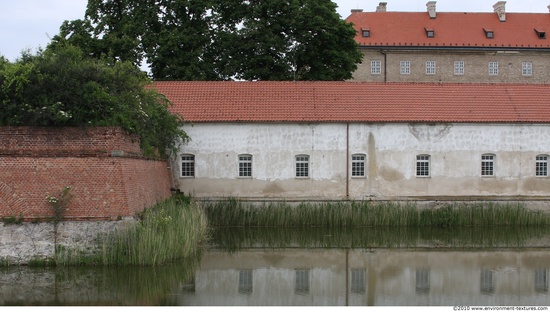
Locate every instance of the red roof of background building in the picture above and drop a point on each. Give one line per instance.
(452, 29)
(271, 101)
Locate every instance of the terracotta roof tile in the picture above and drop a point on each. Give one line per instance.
(452, 29)
(357, 102)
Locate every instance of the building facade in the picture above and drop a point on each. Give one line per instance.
(345, 140)
(462, 47)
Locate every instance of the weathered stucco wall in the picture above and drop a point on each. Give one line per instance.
(109, 176)
(390, 166)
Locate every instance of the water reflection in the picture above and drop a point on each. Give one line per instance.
(314, 267)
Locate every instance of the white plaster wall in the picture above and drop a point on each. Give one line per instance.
(390, 150)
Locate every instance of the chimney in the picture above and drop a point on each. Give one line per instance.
(548, 8)
(431, 8)
(356, 11)
(500, 10)
(381, 7)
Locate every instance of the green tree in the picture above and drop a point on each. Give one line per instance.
(220, 39)
(63, 87)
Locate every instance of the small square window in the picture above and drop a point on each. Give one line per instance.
(527, 69)
(459, 67)
(541, 34)
(430, 68)
(405, 67)
(430, 33)
(365, 32)
(493, 68)
(489, 33)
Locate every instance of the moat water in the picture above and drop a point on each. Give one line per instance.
(314, 267)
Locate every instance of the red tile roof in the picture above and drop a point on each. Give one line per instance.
(271, 101)
(452, 29)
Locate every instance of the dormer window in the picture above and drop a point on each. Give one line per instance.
(430, 33)
(541, 34)
(489, 33)
(365, 32)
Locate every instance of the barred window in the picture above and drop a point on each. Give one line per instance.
(245, 165)
(430, 68)
(375, 67)
(302, 166)
(541, 169)
(487, 165)
(405, 67)
(187, 165)
(358, 165)
(423, 165)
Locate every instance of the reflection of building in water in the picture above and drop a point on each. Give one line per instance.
(376, 277)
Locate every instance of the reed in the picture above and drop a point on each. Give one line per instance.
(234, 212)
(168, 232)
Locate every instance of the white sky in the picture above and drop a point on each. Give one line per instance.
(28, 24)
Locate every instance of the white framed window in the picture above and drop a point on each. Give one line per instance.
(541, 167)
(358, 165)
(487, 165)
(358, 281)
(430, 68)
(245, 165)
(245, 282)
(302, 166)
(423, 165)
(459, 67)
(405, 67)
(527, 69)
(375, 67)
(187, 166)
(302, 281)
(493, 68)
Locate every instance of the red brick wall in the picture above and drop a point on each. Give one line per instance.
(104, 166)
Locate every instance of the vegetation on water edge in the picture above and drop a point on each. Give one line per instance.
(170, 231)
(234, 212)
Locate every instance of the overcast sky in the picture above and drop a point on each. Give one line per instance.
(28, 24)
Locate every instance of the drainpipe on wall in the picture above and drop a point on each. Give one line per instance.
(385, 67)
(347, 161)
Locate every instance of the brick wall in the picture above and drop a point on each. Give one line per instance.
(104, 166)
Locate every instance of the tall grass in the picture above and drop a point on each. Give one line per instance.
(233, 212)
(170, 231)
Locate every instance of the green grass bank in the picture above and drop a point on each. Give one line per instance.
(234, 212)
(172, 230)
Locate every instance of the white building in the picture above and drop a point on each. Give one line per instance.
(352, 140)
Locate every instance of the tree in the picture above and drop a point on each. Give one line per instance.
(63, 87)
(220, 39)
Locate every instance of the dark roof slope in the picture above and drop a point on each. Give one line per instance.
(452, 29)
(357, 102)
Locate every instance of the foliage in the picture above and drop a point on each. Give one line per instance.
(220, 40)
(61, 86)
(59, 205)
(167, 232)
(233, 212)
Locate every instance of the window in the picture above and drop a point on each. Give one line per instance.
(187, 165)
(430, 33)
(487, 165)
(422, 281)
(375, 67)
(459, 67)
(302, 166)
(423, 165)
(489, 33)
(245, 281)
(405, 67)
(527, 68)
(493, 68)
(358, 281)
(541, 34)
(430, 68)
(486, 282)
(541, 280)
(245, 165)
(302, 281)
(541, 169)
(365, 32)
(358, 165)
